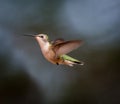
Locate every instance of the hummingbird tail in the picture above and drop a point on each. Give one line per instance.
(79, 62)
(72, 63)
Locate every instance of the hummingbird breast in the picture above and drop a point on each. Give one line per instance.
(51, 56)
(47, 51)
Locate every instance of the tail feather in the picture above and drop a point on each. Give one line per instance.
(79, 62)
(72, 63)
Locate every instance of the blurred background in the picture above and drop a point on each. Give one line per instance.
(27, 78)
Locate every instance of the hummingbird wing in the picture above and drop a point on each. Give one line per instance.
(66, 46)
(57, 41)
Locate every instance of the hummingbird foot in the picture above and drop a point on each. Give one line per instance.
(57, 63)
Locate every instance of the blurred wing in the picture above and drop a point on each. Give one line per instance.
(66, 47)
(57, 41)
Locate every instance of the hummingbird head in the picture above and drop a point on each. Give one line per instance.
(43, 41)
(43, 37)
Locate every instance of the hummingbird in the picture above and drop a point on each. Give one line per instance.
(55, 51)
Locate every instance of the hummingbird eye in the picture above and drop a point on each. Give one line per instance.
(41, 36)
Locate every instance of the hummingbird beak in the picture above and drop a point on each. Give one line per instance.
(30, 35)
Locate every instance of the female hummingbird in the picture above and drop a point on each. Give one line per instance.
(55, 51)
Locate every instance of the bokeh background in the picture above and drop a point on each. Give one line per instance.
(27, 78)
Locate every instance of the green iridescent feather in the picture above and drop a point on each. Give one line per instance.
(66, 57)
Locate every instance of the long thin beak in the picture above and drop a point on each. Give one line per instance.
(29, 35)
